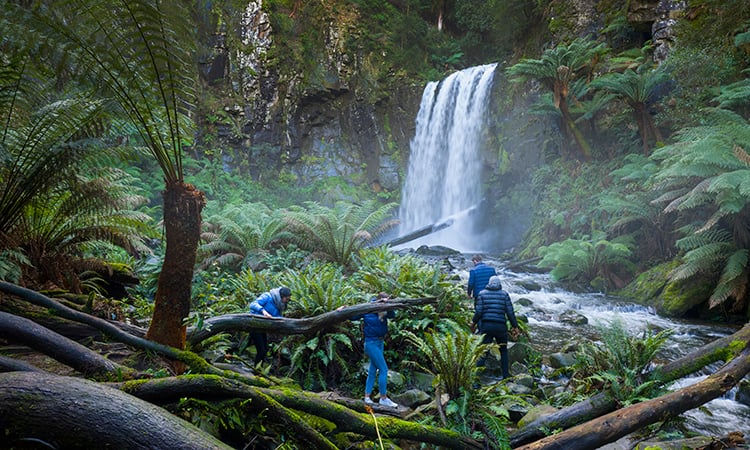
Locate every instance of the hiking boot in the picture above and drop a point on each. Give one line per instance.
(368, 401)
(388, 402)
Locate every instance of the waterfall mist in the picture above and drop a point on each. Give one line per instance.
(443, 181)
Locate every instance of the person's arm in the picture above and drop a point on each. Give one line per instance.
(470, 286)
(259, 306)
(510, 312)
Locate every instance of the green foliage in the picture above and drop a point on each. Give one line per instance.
(619, 363)
(557, 70)
(338, 233)
(240, 236)
(596, 260)
(453, 352)
(320, 360)
(318, 288)
(11, 264)
(706, 170)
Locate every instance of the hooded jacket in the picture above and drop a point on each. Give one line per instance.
(270, 301)
(494, 305)
(375, 325)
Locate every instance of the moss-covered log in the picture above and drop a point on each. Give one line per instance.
(167, 390)
(722, 349)
(613, 426)
(66, 412)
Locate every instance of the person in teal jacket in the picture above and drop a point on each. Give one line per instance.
(269, 304)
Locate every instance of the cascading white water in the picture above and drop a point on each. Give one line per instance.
(443, 178)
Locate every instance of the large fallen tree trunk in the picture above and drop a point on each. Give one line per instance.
(167, 390)
(81, 358)
(285, 326)
(603, 403)
(65, 412)
(615, 425)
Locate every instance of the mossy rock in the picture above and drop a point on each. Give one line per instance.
(681, 297)
(647, 287)
(671, 299)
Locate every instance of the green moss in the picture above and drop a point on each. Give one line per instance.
(647, 287)
(680, 297)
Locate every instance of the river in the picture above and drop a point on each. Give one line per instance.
(547, 334)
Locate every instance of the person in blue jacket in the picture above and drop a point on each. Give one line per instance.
(269, 304)
(375, 327)
(478, 277)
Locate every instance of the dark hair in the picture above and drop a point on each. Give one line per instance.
(285, 292)
(476, 258)
(384, 295)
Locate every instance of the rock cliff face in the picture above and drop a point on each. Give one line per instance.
(321, 121)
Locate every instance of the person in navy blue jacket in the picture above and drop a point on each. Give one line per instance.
(374, 329)
(269, 304)
(478, 277)
(493, 310)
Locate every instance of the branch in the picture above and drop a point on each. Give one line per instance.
(71, 353)
(286, 326)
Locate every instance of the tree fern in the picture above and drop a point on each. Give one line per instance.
(337, 233)
(239, 236)
(704, 176)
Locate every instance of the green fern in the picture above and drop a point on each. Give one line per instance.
(707, 170)
(620, 363)
(452, 353)
(338, 233)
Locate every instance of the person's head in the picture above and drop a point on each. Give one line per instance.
(384, 296)
(476, 259)
(494, 283)
(285, 293)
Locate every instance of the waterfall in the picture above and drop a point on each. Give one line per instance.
(443, 180)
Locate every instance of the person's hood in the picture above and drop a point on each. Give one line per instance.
(277, 299)
(494, 283)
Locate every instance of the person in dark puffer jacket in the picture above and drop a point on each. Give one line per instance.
(493, 307)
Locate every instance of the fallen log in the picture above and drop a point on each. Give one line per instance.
(613, 426)
(81, 358)
(66, 412)
(167, 390)
(603, 403)
(287, 326)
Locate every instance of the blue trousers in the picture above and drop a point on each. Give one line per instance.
(374, 350)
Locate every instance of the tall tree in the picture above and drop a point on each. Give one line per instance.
(636, 88)
(140, 53)
(557, 69)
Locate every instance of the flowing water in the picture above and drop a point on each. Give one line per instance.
(444, 170)
(547, 333)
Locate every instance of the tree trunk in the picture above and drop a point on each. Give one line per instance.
(182, 222)
(613, 426)
(287, 326)
(87, 362)
(65, 412)
(167, 390)
(603, 402)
